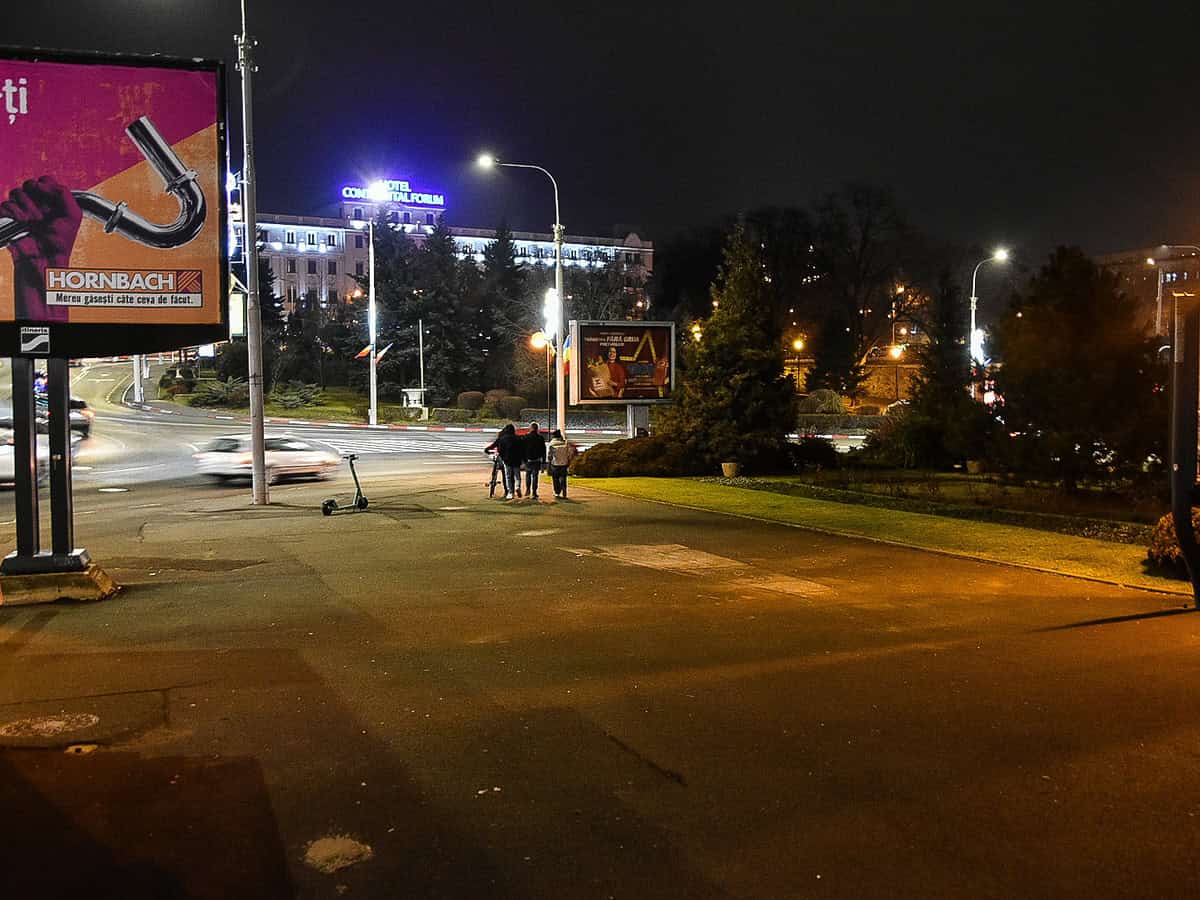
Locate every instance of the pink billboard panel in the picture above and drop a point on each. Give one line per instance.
(112, 207)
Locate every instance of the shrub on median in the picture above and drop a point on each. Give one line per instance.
(1164, 552)
(655, 455)
(472, 400)
(451, 415)
(225, 394)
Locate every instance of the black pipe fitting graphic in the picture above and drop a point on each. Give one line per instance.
(178, 180)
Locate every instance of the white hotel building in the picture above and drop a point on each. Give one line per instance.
(323, 256)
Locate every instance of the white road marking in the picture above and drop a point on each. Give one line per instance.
(539, 532)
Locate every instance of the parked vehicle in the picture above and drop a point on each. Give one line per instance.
(286, 457)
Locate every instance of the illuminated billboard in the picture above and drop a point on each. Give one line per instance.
(113, 237)
(621, 362)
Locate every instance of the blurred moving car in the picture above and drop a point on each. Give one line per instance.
(81, 416)
(286, 457)
(8, 466)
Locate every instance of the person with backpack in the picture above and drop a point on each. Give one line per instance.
(535, 458)
(561, 452)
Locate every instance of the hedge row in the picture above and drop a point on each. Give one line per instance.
(817, 423)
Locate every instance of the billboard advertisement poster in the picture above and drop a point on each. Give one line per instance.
(112, 202)
(621, 362)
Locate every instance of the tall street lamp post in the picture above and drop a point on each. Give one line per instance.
(974, 340)
(258, 468)
(487, 161)
(373, 407)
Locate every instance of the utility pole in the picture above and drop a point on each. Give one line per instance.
(245, 45)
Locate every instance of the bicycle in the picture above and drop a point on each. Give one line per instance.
(498, 473)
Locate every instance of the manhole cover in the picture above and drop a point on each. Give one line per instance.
(48, 726)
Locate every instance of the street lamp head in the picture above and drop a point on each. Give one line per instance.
(378, 191)
(539, 340)
(1149, 260)
(1001, 255)
(798, 344)
(896, 351)
(486, 161)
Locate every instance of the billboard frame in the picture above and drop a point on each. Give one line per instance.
(575, 388)
(78, 339)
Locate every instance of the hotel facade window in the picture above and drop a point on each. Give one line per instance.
(312, 267)
(291, 267)
(331, 240)
(332, 267)
(312, 239)
(290, 237)
(359, 242)
(358, 268)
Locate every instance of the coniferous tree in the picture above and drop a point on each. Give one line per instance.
(499, 311)
(1080, 378)
(734, 403)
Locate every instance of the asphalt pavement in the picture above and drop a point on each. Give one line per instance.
(454, 697)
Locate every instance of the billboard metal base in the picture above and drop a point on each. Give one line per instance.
(45, 562)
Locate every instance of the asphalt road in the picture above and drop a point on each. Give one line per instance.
(601, 698)
(131, 448)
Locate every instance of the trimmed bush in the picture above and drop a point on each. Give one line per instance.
(510, 407)
(400, 413)
(815, 452)
(295, 394)
(655, 455)
(823, 401)
(495, 394)
(1164, 551)
(472, 400)
(831, 424)
(451, 415)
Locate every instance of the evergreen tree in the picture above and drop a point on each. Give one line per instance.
(1079, 376)
(734, 402)
(836, 365)
(499, 310)
(943, 425)
(443, 307)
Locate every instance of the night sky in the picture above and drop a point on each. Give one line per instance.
(1028, 124)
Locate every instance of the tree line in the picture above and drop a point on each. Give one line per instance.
(477, 319)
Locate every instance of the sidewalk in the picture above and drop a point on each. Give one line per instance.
(1111, 563)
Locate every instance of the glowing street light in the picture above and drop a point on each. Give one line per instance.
(895, 351)
(798, 344)
(539, 340)
(975, 337)
(489, 161)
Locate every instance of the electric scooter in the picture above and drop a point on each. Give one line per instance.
(358, 504)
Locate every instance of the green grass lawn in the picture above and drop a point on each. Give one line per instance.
(1046, 551)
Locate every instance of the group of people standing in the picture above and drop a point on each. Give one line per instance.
(530, 451)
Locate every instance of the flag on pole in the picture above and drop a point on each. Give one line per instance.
(379, 355)
(567, 356)
(363, 353)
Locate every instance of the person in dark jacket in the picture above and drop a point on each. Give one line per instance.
(535, 458)
(511, 448)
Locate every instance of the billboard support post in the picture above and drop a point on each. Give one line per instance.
(25, 487)
(258, 467)
(65, 557)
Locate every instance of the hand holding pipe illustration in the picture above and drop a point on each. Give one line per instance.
(40, 220)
